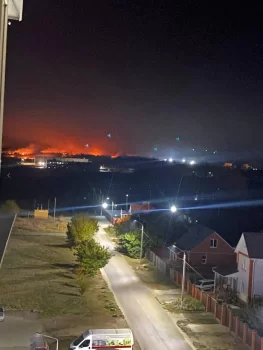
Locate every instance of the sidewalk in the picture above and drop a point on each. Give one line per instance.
(200, 328)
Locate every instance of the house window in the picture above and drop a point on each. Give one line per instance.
(244, 265)
(213, 243)
(204, 258)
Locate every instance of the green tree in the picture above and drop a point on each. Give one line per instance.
(10, 206)
(91, 257)
(81, 228)
(130, 243)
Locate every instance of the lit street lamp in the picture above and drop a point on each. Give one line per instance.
(48, 336)
(103, 206)
(173, 209)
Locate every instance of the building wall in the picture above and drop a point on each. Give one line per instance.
(243, 276)
(257, 287)
(222, 255)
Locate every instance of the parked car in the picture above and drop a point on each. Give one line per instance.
(2, 313)
(205, 284)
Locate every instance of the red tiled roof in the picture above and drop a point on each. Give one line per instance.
(141, 207)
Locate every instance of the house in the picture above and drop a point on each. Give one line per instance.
(249, 255)
(205, 249)
(141, 207)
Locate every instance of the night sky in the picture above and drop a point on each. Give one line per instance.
(144, 71)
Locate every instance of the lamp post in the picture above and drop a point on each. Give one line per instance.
(48, 336)
(142, 233)
(173, 209)
(127, 202)
(103, 206)
(183, 281)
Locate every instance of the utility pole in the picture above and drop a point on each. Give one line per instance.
(3, 46)
(48, 205)
(8, 10)
(141, 251)
(55, 204)
(183, 281)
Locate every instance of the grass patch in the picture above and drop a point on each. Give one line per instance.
(149, 275)
(189, 304)
(40, 225)
(38, 274)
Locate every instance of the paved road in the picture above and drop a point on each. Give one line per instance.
(150, 324)
(17, 329)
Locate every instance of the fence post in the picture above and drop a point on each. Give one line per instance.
(230, 320)
(193, 290)
(201, 296)
(215, 310)
(245, 328)
(196, 291)
(253, 340)
(188, 286)
(176, 277)
(223, 315)
(261, 343)
(237, 326)
(208, 303)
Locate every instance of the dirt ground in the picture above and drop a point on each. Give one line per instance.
(37, 274)
(149, 275)
(205, 333)
(40, 225)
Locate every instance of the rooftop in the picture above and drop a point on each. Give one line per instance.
(196, 234)
(254, 243)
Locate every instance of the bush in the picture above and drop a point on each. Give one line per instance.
(10, 206)
(91, 257)
(130, 243)
(189, 304)
(81, 228)
(83, 286)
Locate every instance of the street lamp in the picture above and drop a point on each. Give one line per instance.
(173, 209)
(103, 206)
(48, 336)
(127, 202)
(142, 233)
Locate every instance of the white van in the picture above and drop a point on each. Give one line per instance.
(104, 339)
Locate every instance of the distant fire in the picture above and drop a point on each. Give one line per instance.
(33, 150)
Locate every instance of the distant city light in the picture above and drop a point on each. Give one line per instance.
(104, 205)
(193, 149)
(170, 160)
(192, 162)
(165, 159)
(183, 160)
(196, 198)
(173, 209)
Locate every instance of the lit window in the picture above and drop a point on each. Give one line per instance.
(204, 258)
(213, 243)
